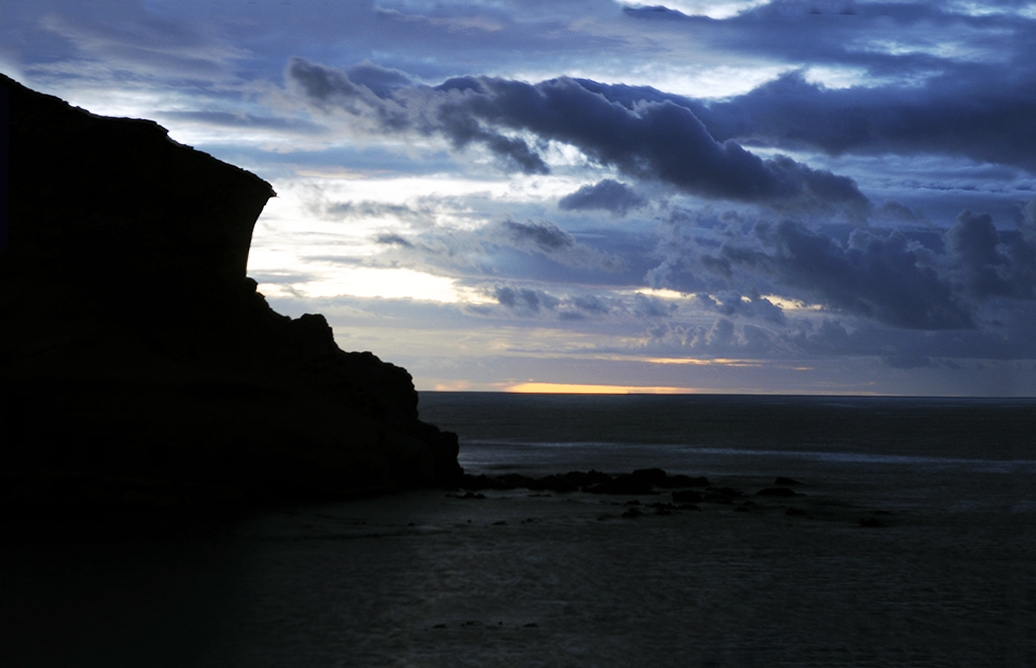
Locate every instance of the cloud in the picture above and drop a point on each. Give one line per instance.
(912, 278)
(591, 304)
(526, 302)
(731, 304)
(893, 212)
(437, 244)
(245, 120)
(874, 276)
(523, 300)
(130, 40)
(607, 195)
(972, 292)
(937, 78)
(804, 339)
(393, 240)
(652, 307)
(381, 81)
(582, 307)
(1011, 339)
(688, 241)
(988, 264)
(906, 361)
(543, 237)
(983, 113)
(722, 338)
(394, 108)
(360, 209)
(908, 39)
(653, 139)
(332, 90)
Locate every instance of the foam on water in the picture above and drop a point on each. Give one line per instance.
(486, 451)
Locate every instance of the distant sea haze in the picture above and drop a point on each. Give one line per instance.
(683, 432)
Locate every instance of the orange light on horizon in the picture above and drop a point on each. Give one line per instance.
(573, 388)
(697, 361)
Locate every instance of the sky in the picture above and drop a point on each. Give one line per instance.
(819, 197)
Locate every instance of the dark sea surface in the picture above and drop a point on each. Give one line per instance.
(563, 579)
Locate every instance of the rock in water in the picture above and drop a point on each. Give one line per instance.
(778, 491)
(687, 496)
(132, 345)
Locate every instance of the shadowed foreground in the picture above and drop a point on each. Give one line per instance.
(549, 579)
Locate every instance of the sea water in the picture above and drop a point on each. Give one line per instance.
(522, 578)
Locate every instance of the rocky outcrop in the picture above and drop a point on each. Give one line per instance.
(133, 346)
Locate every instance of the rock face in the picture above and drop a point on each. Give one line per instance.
(132, 345)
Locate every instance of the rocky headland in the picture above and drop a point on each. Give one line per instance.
(138, 363)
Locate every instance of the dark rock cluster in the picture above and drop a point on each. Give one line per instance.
(641, 481)
(137, 360)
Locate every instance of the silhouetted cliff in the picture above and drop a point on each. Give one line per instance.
(136, 355)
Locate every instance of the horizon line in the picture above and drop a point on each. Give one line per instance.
(606, 389)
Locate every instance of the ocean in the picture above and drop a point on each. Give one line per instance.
(911, 541)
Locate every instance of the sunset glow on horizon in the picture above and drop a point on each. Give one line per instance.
(575, 388)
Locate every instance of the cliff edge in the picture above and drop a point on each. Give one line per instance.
(137, 360)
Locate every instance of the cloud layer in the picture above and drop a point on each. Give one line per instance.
(651, 139)
(842, 191)
(970, 276)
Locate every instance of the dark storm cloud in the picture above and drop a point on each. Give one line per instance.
(982, 112)
(656, 140)
(957, 280)
(985, 113)
(988, 263)
(607, 195)
(1011, 339)
(381, 81)
(894, 212)
(331, 90)
(955, 83)
(857, 33)
(874, 276)
(416, 109)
